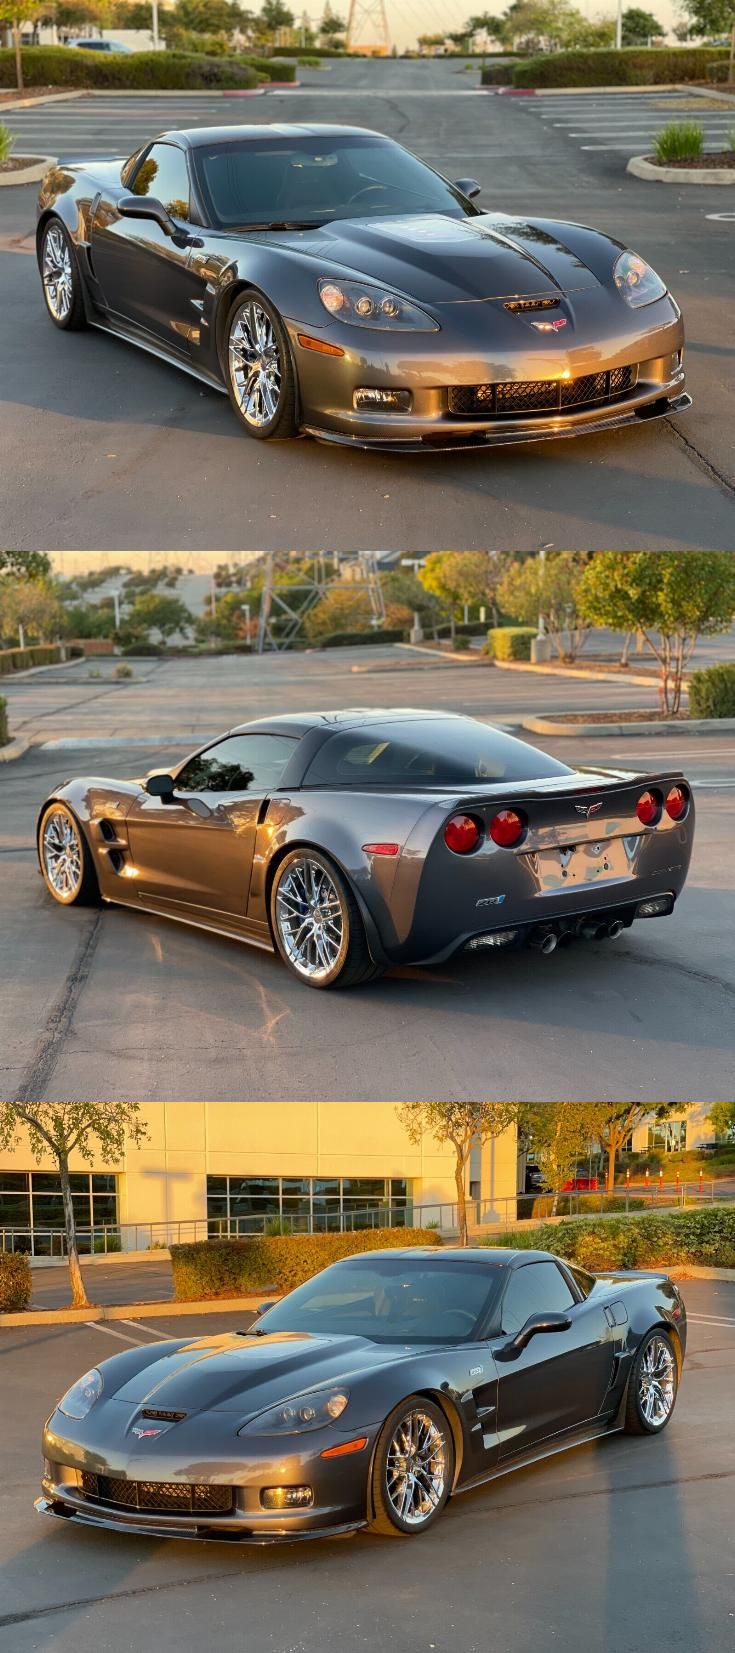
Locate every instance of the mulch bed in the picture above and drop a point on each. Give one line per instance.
(10, 94)
(18, 163)
(722, 157)
(651, 716)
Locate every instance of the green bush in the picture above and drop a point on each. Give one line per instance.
(143, 651)
(719, 72)
(712, 691)
(542, 1205)
(497, 74)
(704, 1236)
(4, 735)
(7, 140)
(510, 642)
(15, 1281)
(346, 639)
(679, 141)
(19, 660)
(233, 1268)
(632, 66)
(166, 71)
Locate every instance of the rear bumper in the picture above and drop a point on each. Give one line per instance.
(591, 923)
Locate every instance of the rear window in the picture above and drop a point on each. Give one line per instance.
(445, 752)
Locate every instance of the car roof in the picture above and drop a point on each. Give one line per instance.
(348, 717)
(494, 1256)
(198, 137)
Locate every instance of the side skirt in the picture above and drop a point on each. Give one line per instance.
(536, 1455)
(130, 335)
(192, 923)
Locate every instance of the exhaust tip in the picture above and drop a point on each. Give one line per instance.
(546, 942)
(615, 929)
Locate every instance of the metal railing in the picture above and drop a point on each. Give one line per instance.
(106, 1239)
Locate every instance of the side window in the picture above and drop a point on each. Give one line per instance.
(534, 1288)
(582, 1279)
(164, 176)
(241, 763)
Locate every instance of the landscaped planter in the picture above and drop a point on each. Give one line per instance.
(709, 169)
(25, 169)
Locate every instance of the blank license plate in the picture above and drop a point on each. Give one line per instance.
(596, 863)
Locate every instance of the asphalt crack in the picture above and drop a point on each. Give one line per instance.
(60, 1018)
(701, 459)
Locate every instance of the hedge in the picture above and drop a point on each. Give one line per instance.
(346, 639)
(19, 660)
(719, 72)
(4, 733)
(704, 1236)
(510, 642)
(712, 691)
(542, 1205)
(631, 66)
(497, 74)
(166, 71)
(15, 1281)
(232, 1268)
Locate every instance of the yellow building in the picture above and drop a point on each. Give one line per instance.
(229, 1167)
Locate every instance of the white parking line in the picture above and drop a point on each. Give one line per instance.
(97, 1326)
(153, 1331)
(716, 1324)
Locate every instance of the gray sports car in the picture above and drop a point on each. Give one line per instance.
(333, 284)
(358, 839)
(367, 1397)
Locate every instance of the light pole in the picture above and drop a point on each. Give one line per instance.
(619, 26)
(154, 24)
(116, 600)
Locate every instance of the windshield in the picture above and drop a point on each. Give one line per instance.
(452, 752)
(314, 180)
(390, 1300)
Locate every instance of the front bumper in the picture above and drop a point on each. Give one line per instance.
(67, 1508)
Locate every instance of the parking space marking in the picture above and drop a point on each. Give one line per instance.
(153, 1331)
(97, 1326)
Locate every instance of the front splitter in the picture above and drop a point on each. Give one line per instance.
(203, 1535)
(437, 441)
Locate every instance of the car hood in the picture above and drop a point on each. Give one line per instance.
(246, 1374)
(439, 260)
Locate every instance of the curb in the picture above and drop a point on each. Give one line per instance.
(135, 1311)
(31, 174)
(43, 97)
(573, 671)
(639, 167)
(695, 1271)
(14, 749)
(625, 91)
(692, 726)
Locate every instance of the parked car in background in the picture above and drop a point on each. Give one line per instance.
(99, 45)
(581, 1185)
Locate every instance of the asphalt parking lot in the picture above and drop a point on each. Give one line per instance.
(623, 1545)
(133, 453)
(114, 1004)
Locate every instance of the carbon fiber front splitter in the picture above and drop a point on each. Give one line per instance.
(208, 1534)
(441, 440)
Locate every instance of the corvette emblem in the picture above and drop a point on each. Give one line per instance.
(588, 809)
(549, 326)
(142, 1434)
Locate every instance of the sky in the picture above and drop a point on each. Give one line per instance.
(407, 19)
(85, 562)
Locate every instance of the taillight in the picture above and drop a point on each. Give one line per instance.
(677, 803)
(648, 808)
(462, 834)
(507, 828)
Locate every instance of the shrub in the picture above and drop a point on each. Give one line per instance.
(718, 72)
(123, 671)
(232, 1268)
(143, 651)
(510, 642)
(346, 639)
(497, 74)
(712, 691)
(542, 1205)
(461, 642)
(679, 141)
(632, 66)
(6, 143)
(15, 1281)
(168, 71)
(4, 735)
(38, 654)
(702, 1236)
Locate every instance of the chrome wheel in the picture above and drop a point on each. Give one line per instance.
(657, 1383)
(62, 855)
(56, 273)
(255, 365)
(310, 920)
(416, 1468)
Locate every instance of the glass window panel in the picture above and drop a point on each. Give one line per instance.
(296, 1185)
(398, 1188)
(13, 1182)
(15, 1210)
(253, 1187)
(296, 1202)
(48, 1210)
(163, 175)
(326, 1185)
(241, 763)
(216, 1205)
(442, 751)
(104, 1184)
(534, 1289)
(362, 1189)
(216, 1185)
(47, 1182)
(105, 1209)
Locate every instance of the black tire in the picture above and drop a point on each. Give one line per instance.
(383, 1515)
(55, 244)
(636, 1420)
(242, 324)
(83, 888)
(342, 936)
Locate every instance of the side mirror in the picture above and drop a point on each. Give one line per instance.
(147, 206)
(160, 786)
(468, 186)
(263, 1306)
(551, 1321)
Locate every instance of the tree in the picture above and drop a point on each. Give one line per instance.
(548, 586)
(463, 1124)
(205, 16)
(152, 612)
(458, 577)
(273, 17)
(32, 604)
(639, 26)
(722, 1119)
(87, 620)
(25, 565)
(62, 1129)
(332, 26)
(671, 597)
(560, 1133)
(614, 1123)
(13, 15)
(713, 17)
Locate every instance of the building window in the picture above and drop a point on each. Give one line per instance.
(667, 1136)
(32, 1211)
(246, 1205)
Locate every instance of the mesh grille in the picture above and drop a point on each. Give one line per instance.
(539, 395)
(177, 1496)
(521, 306)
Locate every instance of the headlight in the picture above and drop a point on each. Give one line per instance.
(367, 306)
(637, 282)
(79, 1400)
(305, 1412)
